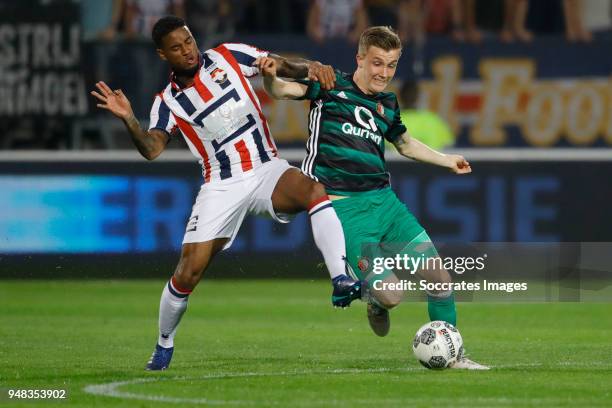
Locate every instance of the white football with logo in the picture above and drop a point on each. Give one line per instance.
(437, 345)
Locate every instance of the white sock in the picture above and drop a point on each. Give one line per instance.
(172, 305)
(328, 235)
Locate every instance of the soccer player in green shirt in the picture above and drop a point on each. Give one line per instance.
(348, 127)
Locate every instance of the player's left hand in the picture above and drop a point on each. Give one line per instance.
(322, 73)
(458, 164)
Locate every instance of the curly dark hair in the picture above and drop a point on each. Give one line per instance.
(164, 26)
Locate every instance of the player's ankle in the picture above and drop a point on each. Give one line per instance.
(166, 341)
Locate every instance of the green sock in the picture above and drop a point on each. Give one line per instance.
(442, 309)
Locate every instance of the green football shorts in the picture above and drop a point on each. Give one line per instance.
(378, 224)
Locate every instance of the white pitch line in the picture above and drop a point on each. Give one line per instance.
(112, 389)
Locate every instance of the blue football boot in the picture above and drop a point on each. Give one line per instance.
(346, 289)
(160, 360)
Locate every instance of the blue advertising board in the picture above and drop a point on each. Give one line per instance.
(131, 208)
(118, 218)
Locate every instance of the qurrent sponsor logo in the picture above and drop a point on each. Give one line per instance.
(368, 129)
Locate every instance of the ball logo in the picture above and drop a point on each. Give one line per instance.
(450, 327)
(449, 342)
(437, 362)
(416, 341)
(370, 124)
(428, 336)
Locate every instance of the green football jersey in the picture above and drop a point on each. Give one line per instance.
(346, 147)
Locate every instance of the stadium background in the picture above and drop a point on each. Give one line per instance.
(534, 118)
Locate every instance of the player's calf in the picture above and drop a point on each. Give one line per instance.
(389, 293)
(195, 257)
(440, 303)
(435, 275)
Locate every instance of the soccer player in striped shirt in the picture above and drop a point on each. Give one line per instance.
(348, 127)
(211, 103)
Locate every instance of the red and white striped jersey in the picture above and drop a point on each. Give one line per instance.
(219, 116)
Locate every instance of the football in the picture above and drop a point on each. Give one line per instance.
(437, 345)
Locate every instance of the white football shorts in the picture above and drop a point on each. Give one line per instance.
(221, 206)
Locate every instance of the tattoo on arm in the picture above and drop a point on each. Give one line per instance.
(400, 141)
(149, 143)
(403, 145)
(295, 68)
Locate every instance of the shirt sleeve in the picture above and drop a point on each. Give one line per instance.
(397, 128)
(161, 117)
(313, 91)
(245, 55)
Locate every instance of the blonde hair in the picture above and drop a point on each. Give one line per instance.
(379, 36)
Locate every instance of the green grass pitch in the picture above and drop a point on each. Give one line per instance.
(280, 343)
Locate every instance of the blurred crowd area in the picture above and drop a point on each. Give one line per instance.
(116, 44)
(213, 21)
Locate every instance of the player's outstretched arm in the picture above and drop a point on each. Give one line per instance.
(150, 143)
(299, 68)
(416, 150)
(276, 87)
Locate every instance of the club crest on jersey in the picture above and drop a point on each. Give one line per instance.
(380, 109)
(218, 75)
(363, 264)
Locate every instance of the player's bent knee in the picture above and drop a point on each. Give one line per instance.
(436, 276)
(188, 276)
(389, 302)
(388, 293)
(388, 298)
(444, 276)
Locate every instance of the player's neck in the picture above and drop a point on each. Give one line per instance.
(184, 81)
(357, 79)
(185, 78)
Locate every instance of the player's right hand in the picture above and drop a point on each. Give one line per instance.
(266, 66)
(458, 164)
(322, 73)
(114, 101)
